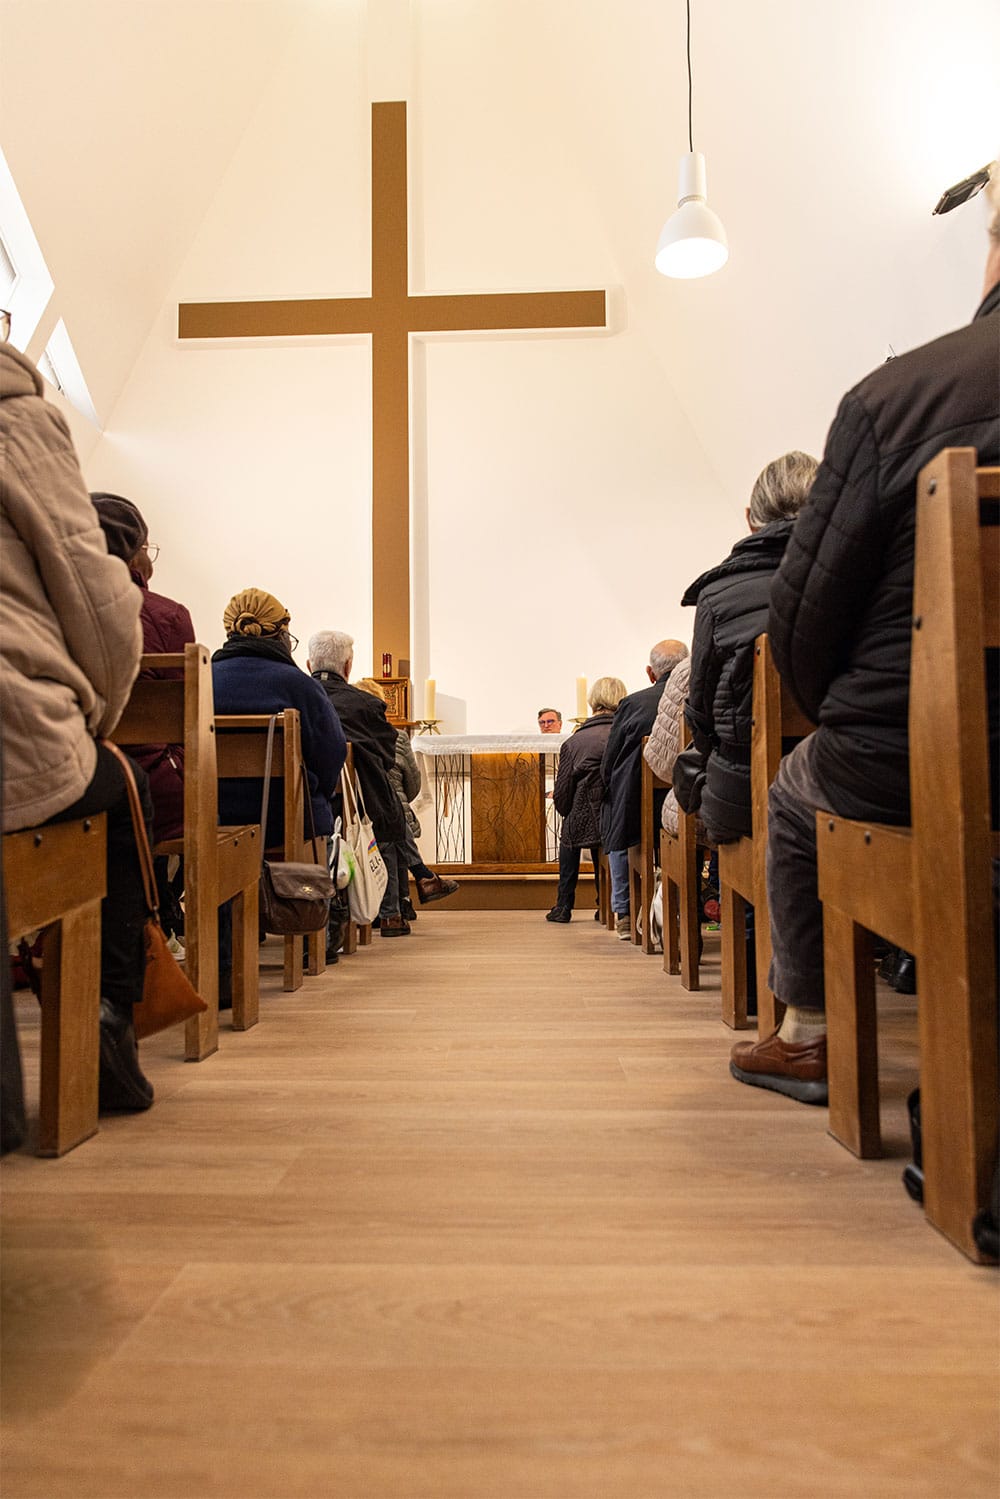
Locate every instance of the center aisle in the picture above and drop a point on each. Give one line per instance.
(481, 1213)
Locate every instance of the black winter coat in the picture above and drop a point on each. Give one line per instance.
(621, 767)
(732, 602)
(842, 601)
(579, 789)
(373, 741)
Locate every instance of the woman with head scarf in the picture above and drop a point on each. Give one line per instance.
(254, 673)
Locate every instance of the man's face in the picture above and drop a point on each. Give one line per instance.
(549, 723)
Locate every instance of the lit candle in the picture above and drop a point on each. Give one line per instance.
(430, 694)
(581, 697)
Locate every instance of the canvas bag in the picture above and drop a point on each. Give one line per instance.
(367, 888)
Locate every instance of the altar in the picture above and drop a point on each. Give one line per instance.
(493, 811)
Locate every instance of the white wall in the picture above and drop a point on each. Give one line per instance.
(565, 489)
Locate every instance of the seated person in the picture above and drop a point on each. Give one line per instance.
(839, 626)
(70, 643)
(166, 630)
(549, 721)
(254, 673)
(373, 746)
(405, 778)
(732, 601)
(578, 792)
(663, 744)
(621, 774)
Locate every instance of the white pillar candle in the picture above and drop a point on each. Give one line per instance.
(581, 697)
(430, 695)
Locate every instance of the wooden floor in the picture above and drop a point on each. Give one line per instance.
(481, 1213)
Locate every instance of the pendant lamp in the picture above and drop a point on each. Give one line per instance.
(692, 242)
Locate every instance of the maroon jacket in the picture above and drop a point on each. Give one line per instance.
(166, 628)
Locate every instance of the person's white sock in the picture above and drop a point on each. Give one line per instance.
(800, 1025)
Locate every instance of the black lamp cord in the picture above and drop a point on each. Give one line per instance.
(690, 131)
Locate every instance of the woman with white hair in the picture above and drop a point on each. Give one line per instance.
(732, 602)
(579, 790)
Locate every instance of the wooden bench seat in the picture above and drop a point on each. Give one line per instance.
(927, 888)
(241, 752)
(220, 863)
(55, 878)
(743, 864)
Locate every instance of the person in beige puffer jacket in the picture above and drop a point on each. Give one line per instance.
(663, 744)
(70, 643)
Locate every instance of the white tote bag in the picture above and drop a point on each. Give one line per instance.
(367, 888)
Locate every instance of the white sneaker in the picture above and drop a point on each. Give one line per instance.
(176, 947)
(623, 926)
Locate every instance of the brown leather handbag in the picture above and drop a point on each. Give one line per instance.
(294, 897)
(168, 996)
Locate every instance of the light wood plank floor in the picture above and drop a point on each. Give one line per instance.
(481, 1213)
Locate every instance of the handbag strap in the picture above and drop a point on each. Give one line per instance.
(139, 825)
(309, 806)
(350, 798)
(266, 793)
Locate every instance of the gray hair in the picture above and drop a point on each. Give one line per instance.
(665, 655)
(330, 650)
(606, 693)
(782, 488)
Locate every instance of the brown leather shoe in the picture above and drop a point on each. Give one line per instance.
(797, 1069)
(393, 926)
(435, 889)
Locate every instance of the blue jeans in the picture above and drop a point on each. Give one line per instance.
(618, 865)
(390, 900)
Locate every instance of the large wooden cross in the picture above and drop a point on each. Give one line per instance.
(390, 315)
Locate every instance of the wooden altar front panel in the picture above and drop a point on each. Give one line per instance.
(508, 809)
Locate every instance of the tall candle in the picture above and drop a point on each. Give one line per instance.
(430, 695)
(581, 697)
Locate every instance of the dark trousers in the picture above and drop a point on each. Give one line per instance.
(796, 974)
(123, 909)
(569, 874)
(412, 860)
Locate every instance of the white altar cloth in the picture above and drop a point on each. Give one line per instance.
(487, 744)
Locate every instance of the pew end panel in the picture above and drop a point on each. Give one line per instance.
(56, 877)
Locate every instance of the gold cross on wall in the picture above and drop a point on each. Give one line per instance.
(390, 315)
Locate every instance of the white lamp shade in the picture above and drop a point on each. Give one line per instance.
(692, 242)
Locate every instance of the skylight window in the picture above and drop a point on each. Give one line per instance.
(60, 366)
(29, 285)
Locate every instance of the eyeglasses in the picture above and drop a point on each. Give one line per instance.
(152, 550)
(293, 641)
(5, 321)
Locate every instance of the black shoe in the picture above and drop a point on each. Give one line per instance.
(122, 1088)
(406, 910)
(558, 913)
(904, 980)
(597, 915)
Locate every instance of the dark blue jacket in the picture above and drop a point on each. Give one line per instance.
(252, 684)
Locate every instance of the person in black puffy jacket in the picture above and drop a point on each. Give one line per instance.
(839, 626)
(579, 790)
(732, 602)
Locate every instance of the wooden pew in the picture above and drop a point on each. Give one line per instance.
(220, 863)
(680, 869)
(742, 874)
(927, 888)
(55, 877)
(642, 858)
(242, 755)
